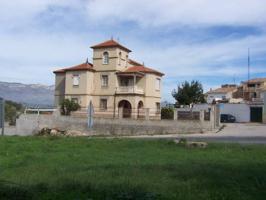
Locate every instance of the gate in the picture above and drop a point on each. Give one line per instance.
(256, 114)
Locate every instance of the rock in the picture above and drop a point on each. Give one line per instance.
(74, 133)
(44, 131)
(197, 144)
(186, 143)
(54, 132)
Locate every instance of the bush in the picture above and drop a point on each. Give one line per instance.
(167, 113)
(12, 111)
(67, 106)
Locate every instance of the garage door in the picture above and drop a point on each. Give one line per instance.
(256, 114)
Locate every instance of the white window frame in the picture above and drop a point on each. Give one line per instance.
(104, 82)
(105, 58)
(158, 84)
(103, 107)
(76, 80)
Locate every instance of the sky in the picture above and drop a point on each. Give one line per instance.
(205, 40)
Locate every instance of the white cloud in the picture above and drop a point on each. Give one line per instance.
(186, 12)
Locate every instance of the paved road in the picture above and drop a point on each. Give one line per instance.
(236, 133)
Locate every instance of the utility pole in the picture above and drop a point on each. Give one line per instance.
(248, 73)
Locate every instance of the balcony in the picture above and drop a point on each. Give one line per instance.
(129, 90)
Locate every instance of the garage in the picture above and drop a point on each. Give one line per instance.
(256, 114)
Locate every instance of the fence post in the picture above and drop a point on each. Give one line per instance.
(201, 115)
(175, 114)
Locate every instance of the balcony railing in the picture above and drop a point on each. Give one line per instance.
(257, 100)
(129, 90)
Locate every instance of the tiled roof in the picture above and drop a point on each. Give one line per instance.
(256, 80)
(222, 90)
(133, 62)
(84, 66)
(110, 43)
(142, 69)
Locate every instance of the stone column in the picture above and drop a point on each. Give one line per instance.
(175, 114)
(201, 115)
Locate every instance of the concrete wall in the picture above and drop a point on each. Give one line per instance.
(30, 124)
(240, 111)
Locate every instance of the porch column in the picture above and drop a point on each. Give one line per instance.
(134, 83)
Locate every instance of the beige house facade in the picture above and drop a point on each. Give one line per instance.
(117, 86)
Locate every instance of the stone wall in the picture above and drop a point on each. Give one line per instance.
(30, 124)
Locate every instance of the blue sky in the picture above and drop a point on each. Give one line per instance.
(206, 40)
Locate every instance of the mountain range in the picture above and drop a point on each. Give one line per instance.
(28, 94)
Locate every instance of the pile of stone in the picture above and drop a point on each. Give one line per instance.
(191, 144)
(58, 132)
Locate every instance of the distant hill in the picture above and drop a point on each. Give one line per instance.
(28, 94)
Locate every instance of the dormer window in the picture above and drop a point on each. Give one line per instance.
(105, 58)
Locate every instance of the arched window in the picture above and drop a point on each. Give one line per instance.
(120, 58)
(105, 58)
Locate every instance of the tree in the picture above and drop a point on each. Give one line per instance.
(67, 106)
(12, 111)
(189, 93)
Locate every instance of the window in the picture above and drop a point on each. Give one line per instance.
(120, 58)
(158, 107)
(103, 104)
(157, 84)
(104, 80)
(76, 80)
(105, 58)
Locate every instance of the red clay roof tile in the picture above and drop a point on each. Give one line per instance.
(110, 43)
(84, 66)
(143, 69)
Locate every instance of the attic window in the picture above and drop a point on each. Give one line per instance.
(105, 58)
(76, 80)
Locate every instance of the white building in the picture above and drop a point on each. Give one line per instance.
(225, 93)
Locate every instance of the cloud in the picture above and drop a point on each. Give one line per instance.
(179, 12)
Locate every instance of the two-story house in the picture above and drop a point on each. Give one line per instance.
(116, 85)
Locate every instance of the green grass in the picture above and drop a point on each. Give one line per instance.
(82, 168)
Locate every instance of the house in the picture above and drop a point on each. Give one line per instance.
(251, 90)
(222, 94)
(117, 86)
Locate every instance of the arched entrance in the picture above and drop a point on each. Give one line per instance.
(140, 109)
(126, 108)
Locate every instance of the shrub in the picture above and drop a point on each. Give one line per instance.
(167, 113)
(67, 106)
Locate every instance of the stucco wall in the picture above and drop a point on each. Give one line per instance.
(240, 111)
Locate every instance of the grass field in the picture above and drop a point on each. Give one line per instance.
(82, 168)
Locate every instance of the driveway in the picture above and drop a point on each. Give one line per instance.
(236, 133)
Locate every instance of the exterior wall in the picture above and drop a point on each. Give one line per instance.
(150, 90)
(113, 59)
(240, 111)
(59, 88)
(31, 124)
(112, 83)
